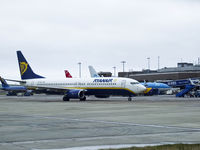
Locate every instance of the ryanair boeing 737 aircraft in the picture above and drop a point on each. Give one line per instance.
(78, 88)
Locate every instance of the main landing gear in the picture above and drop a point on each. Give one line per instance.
(65, 98)
(83, 99)
(129, 98)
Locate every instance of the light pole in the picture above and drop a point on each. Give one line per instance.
(158, 62)
(123, 62)
(79, 69)
(114, 71)
(148, 59)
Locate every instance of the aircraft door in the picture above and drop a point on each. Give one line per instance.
(123, 84)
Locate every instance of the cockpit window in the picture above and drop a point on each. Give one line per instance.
(133, 83)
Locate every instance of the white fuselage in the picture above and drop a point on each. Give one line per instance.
(92, 85)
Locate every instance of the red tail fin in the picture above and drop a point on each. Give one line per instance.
(67, 74)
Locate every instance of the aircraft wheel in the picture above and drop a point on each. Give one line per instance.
(27, 94)
(65, 98)
(83, 99)
(129, 99)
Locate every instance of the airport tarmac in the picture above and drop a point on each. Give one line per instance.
(46, 122)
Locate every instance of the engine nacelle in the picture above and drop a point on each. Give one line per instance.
(77, 94)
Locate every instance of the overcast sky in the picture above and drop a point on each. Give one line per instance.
(57, 34)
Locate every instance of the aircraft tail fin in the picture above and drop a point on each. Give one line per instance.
(93, 72)
(67, 74)
(25, 69)
(3, 82)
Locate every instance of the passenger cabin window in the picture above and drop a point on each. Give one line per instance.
(133, 83)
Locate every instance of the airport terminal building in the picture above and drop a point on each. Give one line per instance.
(182, 71)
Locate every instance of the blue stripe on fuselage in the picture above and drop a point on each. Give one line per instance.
(114, 92)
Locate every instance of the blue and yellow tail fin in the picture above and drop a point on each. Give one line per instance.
(25, 69)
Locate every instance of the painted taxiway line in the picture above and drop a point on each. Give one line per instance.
(123, 123)
(107, 146)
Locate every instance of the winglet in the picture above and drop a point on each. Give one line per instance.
(3, 82)
(93, 72)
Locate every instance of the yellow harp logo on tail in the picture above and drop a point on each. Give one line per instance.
(23, 67)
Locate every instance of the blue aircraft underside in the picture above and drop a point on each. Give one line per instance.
(114, 92)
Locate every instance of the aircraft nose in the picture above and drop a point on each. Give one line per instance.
(141, 88)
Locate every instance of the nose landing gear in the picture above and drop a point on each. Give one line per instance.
(129, 98)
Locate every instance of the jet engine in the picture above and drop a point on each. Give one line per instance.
(76, 94)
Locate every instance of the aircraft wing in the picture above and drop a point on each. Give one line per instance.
(44, 88)
(52, 90)
(20, 81)
(47, 89)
